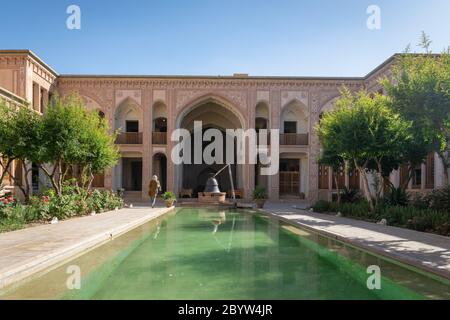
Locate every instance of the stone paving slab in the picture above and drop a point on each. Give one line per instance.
(423, 250)
(27, 251)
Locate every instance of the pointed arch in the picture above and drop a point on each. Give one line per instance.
(208, 98)
(127, 110)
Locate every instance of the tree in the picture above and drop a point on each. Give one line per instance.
(363, 129)
(420, 91)
(100, 150)
(20, 141)
(74, 136)
(331, 159)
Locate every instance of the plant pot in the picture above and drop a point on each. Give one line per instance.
(260, 203)
(169, 203)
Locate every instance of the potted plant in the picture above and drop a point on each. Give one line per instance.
(169, 198)
(120, 192)
(259, 196)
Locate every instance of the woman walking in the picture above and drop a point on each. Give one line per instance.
(153, 188)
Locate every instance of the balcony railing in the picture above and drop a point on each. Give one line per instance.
(10, 99)
(129, 138)
(159, 137)
(294, 139)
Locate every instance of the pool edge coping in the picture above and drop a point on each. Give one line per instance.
(396, 257)
(34, 266)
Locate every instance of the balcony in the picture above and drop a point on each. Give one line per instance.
(129, 138)
(10, 99)
(159, 138)
(294, 139)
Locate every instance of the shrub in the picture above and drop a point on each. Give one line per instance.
(440, 199)
(396, 197)
(63, 207)
(169, 195)
(73, 201)
(357, 210)
(96, 201)
(350, 195)
(420, 201)
(321, 206)
(111, 200)
(39, 208)
(415, 218)
(259, 193)
(420, 219)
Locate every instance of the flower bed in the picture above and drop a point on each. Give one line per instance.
(420, 219)
(73, 201)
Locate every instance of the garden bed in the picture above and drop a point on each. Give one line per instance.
(429, 213)
(419, 219)
(73, 202)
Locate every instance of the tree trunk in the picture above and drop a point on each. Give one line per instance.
(91, 180)
(4, 169)
(60, 177)
(336, 181)
(51, 177)
(380, 191)
(26, 191)
(366, 188)
(405, 184)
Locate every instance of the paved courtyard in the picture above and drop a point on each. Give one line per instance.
(424, 250)
(31, 250)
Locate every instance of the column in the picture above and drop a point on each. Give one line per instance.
(111, 181)
(275, 109)
(171, 125)
(147, 110)
(314, 148)
(423, 176)
(250, 168)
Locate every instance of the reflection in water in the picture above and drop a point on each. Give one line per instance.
(216, 219)
(158, 230)
(178, 257)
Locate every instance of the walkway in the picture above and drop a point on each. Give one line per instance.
(31, 250)
(423, 250)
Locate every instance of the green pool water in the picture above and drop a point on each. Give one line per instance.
(212, 254)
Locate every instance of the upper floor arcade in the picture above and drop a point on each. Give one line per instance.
(144, 109)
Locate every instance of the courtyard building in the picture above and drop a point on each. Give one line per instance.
(146, 109)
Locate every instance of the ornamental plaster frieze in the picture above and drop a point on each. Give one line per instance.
(288, 96)
(104, 98)
(161, 84)
(40, 70)
(12, 61)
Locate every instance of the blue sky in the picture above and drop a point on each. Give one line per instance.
(212, 37)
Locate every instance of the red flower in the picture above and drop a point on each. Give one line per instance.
(46, 199)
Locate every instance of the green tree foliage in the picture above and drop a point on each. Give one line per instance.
(20, 141)
(66, 135)
(75, 136)
(363, 129)
(420, 90)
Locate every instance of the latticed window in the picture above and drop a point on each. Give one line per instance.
(353, 179)
(340, 177)
(323, 177)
